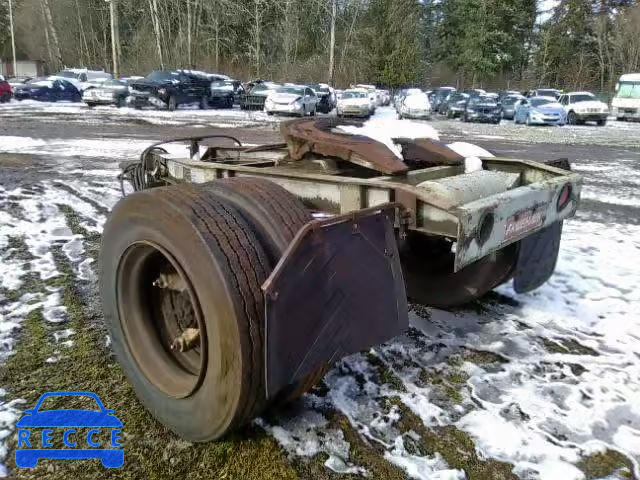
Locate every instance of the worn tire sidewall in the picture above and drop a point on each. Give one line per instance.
(215, 402)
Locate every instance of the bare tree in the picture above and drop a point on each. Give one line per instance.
(55, 43)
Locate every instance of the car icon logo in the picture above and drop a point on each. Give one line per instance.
(36, 430)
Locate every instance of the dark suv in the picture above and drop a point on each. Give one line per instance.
(169, 89)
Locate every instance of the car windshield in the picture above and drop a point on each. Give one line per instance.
(41, 83)
(320, 88)
(510, 100)
(159, 76)
(547, 93)
(293, 90)
(583, 97)
(66, 402)
(68, 74)
(485, 100)
(629, 90)
(354, 95)
(537, 102)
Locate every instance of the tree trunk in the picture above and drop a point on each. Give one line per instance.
(332, 44)
(189, 34)
(46, 37)
(155, 20)
(55, 44)
(115, 37)
(258, 20)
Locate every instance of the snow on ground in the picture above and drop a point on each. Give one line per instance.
(187, 114)
(563, 382)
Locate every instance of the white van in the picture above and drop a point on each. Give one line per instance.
(626, 102)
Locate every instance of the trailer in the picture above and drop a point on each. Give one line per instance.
(235, 275)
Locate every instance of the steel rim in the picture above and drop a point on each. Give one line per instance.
(149, 327)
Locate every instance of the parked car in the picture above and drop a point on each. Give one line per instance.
(48, 90)
(540, 111)
(326, 97)
(296, 100)
(508, 104)
(82, 78)
(110, 92)
(5, 90)
(545, 92)
(439, 95)
(454, 105)
(415, 106)
(19, 80)
(482, 108)
(354, 103)
(502, 94)
(402, 94)
(256, 95)
(386, 97)
(474, 92)
(224, 93)
(169, 89)
(584, 107)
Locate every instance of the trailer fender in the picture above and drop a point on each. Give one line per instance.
(337, 290)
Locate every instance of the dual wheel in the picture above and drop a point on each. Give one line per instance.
(181, 275)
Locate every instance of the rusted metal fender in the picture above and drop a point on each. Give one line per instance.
(425, 152)
(315, 135)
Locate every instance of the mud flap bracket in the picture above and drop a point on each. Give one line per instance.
(337, 290)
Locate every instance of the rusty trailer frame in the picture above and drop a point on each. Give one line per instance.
(429, 208)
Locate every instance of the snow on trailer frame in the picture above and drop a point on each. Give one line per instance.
(223, 294)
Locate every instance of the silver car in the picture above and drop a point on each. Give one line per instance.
(296, 100)
(109, 92)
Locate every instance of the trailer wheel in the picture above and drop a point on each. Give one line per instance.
(427, 266)
(174, 258)
(275, 216)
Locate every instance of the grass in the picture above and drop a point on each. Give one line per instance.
(604, 464)
(568, 346)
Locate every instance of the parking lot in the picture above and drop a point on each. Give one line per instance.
(542, 385)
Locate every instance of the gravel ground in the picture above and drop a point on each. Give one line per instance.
(543, 385)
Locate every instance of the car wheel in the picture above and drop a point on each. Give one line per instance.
(313, 112)
(172, 103)
(91, 105)
(620, 119)
(204, 103)
(528, 120)
(602, 122)
(572, 119)
(122, 102)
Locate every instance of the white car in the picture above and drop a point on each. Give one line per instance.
(584, 107)
(354, 103)
(82, 78)
(373, 96)
(415, 106)
(292, 100)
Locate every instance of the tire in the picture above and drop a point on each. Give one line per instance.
(313, 112)
(620, 119)
(121, 103)
(275, 216)
(528, 121)
(91, 105)
(204, 103)
(572, 119)
(430, 279)
(602, 122)
(188, 229)
(172, 103)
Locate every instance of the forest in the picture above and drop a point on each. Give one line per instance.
(572, 44)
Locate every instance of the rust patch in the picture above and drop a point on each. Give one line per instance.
(424, 152)
(315, 135)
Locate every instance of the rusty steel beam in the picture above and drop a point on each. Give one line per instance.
(425, 152)
(316, 135)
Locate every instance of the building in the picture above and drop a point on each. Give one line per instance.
(27, 68)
